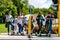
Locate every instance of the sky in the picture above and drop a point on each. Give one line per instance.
(40, 3)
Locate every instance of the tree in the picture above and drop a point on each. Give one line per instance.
(6, 5)
(21, 5)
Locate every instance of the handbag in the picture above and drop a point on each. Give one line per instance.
(6, 25)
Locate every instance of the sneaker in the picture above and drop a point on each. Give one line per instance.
(40, 33)
(49, 34)
(36, 34)
(12, 34)
(22, 33)
(8, 33)
(18, 33)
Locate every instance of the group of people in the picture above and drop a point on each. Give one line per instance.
(17, 24)
(20, 24)
(45, 21)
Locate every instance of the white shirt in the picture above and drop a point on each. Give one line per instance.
(20, 19)
(8, 18)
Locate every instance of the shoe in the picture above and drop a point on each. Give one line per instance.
(8, 33)
(49, 34)
(36, 34)
(40, 33)
(19, 33)
(12, 34)
(22, 33)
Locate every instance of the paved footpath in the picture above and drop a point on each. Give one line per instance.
(7, 37)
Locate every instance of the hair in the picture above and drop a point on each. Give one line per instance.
(49, 13)
(39, 13)
(20, 13)
(8, 12)
(32, 17)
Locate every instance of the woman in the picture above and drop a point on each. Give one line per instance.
(9, 20)
(20, 22)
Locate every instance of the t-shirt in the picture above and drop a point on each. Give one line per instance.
(9, 18)
(49, 21)
(25, 21)
(14, 20)
(20, 20)
(32, 21)
(39, 19)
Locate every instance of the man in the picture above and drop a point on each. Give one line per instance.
(49, 19)
(40, 20)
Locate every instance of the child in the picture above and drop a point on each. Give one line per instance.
(15, 25)
(25, 23)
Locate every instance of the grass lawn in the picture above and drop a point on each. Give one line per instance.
(2, 28)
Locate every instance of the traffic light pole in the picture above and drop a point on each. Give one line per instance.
(59, 18)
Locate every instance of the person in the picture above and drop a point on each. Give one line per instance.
(32, 23)
(25, 23)
(40, 20)
(9, 20)
(20, 22)
(49, 19)
(14, 23)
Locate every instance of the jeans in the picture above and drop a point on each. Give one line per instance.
(20, 28)
(8, 26)
(49, 27)
(40, 26)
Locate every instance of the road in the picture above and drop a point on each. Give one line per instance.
(16, 37)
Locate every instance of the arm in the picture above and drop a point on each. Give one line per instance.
(37, 18)
(52, 18)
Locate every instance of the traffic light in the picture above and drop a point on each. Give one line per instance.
(55, 1)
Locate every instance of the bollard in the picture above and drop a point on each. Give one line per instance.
(29, 27)
(59, 18)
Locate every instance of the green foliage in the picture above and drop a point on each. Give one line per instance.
(15, 6)
(2, 28)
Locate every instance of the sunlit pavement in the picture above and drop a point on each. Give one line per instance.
(17, 37)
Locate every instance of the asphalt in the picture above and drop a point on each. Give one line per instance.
(4, 36)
